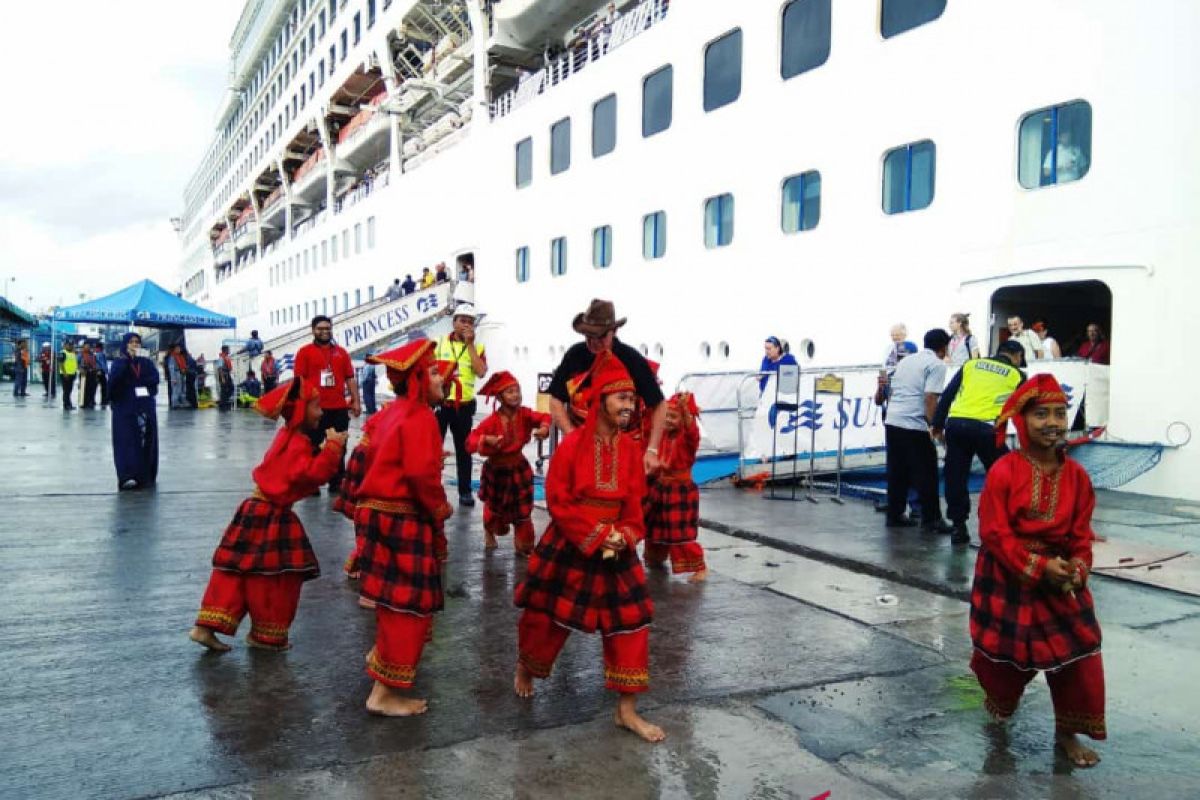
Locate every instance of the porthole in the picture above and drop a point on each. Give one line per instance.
(807, 349)
(643, 349)
(658, 351)
(705, 351)
(723, 349)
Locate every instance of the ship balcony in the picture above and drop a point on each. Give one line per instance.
(308, 181)
(245, 235)
(364, 141)
(223, 252)
(274, 210)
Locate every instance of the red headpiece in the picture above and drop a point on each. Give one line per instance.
(288, 400)
(496, 384)
(686, 403)
(414, 359)
(609, 376)
(1041, 389)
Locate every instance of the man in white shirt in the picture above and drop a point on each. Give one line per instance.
(1030, 342)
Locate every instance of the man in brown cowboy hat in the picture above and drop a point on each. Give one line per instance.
(569, 389)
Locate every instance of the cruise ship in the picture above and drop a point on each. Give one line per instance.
(816, 170)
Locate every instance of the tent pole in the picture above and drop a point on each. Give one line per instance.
(53, 356)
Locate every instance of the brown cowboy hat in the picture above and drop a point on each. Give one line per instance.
(599, 319)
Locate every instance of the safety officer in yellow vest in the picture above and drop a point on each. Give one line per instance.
(68, 368)
(457, 411)
(966, 416)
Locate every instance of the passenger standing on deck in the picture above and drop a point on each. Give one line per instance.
(1050, 348)
(967, 413)
(457, 411)
(963, 344)
(395, 292)
(132, 386)
(1096, 348)
(775, 356)
(68, 368)
(253, 348)
(911, 455)
(1029, 340)
(426, 278)
(265, 557)
(570, 388)
(899, 333)
(327, 366)
(409, 286)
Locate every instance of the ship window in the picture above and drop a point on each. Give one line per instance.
(324, 305)
(1040, 163)
(908, 177)
(806, 26)
(345, 44)
(558, 256)
(656, 101)
(898, 16)
(370, 233)
(718, 221)
(357, 28)
(346, 243)
(524, 163)
(324, 254)
(345, 301)
(334, 248)
(370, 293)
(604, 126)
(602, 246)
(560, 146)
(801, 202)
(358, 297)
(723, 70)
(357, 238)
(522, 264)
(306, 262)
(654, 235)
(370, 13)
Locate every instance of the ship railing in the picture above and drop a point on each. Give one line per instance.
(629, 25)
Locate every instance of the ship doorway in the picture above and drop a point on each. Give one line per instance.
(1066, 309)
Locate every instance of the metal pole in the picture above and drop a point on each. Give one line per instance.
(812, 448)
(837, 486)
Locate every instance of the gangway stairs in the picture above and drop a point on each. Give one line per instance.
(361, 328)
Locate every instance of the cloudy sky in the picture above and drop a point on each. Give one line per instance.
(109, 107)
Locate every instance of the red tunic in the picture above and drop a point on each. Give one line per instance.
(506, 480)
(673, 500)
(403, 465)
(593, 487)
(312, 360)
(1027, 516)
(516, 431)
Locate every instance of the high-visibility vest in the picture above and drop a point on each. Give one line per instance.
(986, 385)
(450, 350)
(67, 364)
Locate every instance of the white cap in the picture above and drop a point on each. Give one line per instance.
(465, 310)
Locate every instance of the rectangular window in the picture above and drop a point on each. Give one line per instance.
(345, 301)
(602, 247)
(346, 243)
(324, 253)
(314, 257)
(898, 16)
(370, 293)
(656, 101)
(333, 248)
(333, 304)
(1039, 161)
(370, 13)
(345, 44)
(357, 28)
(723, 70)
(718, 221)
(357, 238)
(604, 126)
(524, 163)
(306, 261)
(324, 305)
(654, 235)
(806, 33)
(358, 297)
(558, 256)
(908, 177)
(522, 264)
(370, 233)
(801, 202)
(560, 146)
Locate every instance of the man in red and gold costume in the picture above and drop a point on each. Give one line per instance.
(673, 500)
(1031, 609)
(264, 556)
(506, 482)
(584, 574)
(400, 509)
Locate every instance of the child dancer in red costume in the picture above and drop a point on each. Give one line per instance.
(673, 502)
(1031, 609)
(264, 556)
(506, 483)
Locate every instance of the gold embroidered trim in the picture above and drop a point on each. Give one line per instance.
(627, 678)
(400, 508)
(607, 483)
(1035, 510)
(600, 530)
(998, 711)
(390, 673)
(264, 632)
(536, 667)
(217, 616)
(687, 564)
(1089, 724)
(1029, 574)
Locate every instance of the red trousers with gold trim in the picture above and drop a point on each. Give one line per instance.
(626, 655)
(271, 600)
(399, 640)
(496, 524)
(1076, 689)
(685, 556)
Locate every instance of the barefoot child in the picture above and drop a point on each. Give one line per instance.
(400, 510)
(506, 483)
(584, 574)
(264, 556)
(672, 501)
(1031, 609)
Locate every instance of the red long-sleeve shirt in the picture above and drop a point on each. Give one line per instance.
(404, 462)
(290, 471)
(677, 449)
(516, 430)
(594, 486)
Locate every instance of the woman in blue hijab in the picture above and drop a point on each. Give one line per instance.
(776, 354)
(132, 386)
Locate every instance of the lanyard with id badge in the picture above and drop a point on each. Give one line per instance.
(327, 379)
(138, 391)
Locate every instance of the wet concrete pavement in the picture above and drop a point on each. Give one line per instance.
(782, 676)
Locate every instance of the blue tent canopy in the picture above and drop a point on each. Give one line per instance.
(147, 304)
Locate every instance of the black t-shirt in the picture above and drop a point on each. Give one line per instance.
(578, 360)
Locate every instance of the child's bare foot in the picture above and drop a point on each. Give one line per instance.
(523, 681)
(489, 541)
(274, 648)
(626, 717)
(1076, 751)
(205, 637)
(387, 702)
(699, 576)
(365, 603)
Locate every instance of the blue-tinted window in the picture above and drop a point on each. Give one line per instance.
(560, 146)
(723, 70)
(1039, 161)
(524, 162)
(718, 221)
(558, 256)
(654, 235)
(604, 126)
(801, 202)
(898, 16)
(602, 246)
(522, 264)
(908, 177)
(656, 101)
(806, 30)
